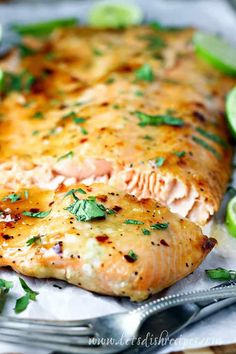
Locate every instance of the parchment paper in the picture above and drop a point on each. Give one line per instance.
(74, 303)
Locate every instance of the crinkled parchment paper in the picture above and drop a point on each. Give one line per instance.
(74, 303)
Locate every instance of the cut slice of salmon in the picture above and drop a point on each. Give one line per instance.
(99, 239)
(88, 117)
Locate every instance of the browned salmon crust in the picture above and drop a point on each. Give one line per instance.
(79, 120)
(112, 256)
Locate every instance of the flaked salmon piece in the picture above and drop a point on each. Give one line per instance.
(82, 118)
(125, 247)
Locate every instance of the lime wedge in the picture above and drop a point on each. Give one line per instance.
(115, 15)
(216, 51)
(231, 217)
(231, 111)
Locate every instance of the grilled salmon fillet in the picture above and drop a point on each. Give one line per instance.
(134, 108)
(98, 238)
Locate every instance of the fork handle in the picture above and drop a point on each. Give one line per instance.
(204, 298)
(208, 308)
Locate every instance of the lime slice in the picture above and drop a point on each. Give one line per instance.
(231, 217)
(115, 15)
(231, 111)
(216, 51)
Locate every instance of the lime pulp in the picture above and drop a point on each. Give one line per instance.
(231, 111)
(115, 15)
(231, 217)
(216, 51)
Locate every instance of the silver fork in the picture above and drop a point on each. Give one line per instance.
(112, 333)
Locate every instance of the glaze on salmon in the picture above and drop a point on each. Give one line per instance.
(92, 113)
(124, 248)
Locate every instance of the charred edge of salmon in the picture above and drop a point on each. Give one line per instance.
(208, 243)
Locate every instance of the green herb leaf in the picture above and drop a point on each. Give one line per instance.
(26, 51)
(213, 137)
(10, 82)
(73, 191)
(69, 154)
(154, 42)
(32, 294)
(146, 232)
(43, 28)
(32, 240)
(160, 226)
(208, 147)
(133, 222)
(12, 197)
(22, 303)
(159, 161)
(145, 73)
(133, 255)
(180, 153)
(156, 120)
(26, 194)
(97, 52)
(147, 137)
(5, 285)
(139, 93)
(87, 209)
(39, 214)
(35, 132)
(78, 120)
(83, 131)
(221, 274)
(38, 115)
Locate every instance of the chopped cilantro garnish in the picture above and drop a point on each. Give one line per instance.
(145, 73)
(78, 120)
(69, 154)
(38, 214)
(156, 120)
(73, 191)
(221, 274)
(87, 209)
(83, 131)
(139, 93)
(12, 197)
(71, 115)
(132, 255)
(38, 115)
(116, 106)
(10, 82)
(154, 43)
(97, 52)
(26, 51)
(160, 226)
(26, 194)
(35, 132)
(208, 147)
(159, 161)
(23, 302)
(133, 222)
(211, 136)
(147, 137)
(32, 240)
(110, 211)
(110, 80)
(5, 285)
(180, 153)
(146, 232)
